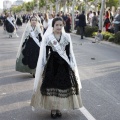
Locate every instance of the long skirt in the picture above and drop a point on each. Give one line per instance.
(58, 88)
(28, 58)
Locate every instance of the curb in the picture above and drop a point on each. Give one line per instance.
(102, 42)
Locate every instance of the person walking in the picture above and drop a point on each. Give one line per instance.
(82, 24)
(57, 84)
(10, 25)
(28, 51)
(68, 24)
(94, 20)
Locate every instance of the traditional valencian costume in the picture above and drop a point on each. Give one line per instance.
(10, 26)
(57, 84)
(28, 52)
(19, 21)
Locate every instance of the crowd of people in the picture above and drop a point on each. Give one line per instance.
(111, 22)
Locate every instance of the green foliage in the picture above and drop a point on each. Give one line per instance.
(107, 35)
(69, 3)
(16, 9)
(111, 3)
(53, 1)
(25, 6)
(89, 31)
(5, 11)
(111, 38)
(42, 3)
(94, 34)
(29, 6)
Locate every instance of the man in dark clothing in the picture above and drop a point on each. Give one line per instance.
(82, 24)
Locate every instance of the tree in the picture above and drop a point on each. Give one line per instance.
(101, 15)
(111, 3)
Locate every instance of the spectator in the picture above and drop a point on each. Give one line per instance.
(107, 21)
(117, 22)
(94, 20)
(90, 18)
(99, 36)
(82, 24)
(68, 23)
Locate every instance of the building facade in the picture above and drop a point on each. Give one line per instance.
(7, 4)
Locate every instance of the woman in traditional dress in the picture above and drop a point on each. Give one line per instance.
(28, 52)
(19, 21)
(49, 25)
(57, 84)
(45, 22)
(9, 24)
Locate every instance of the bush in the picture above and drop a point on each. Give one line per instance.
(106, 35)
(111, 39)
(117, 37)
(88, 31)
(94, 34)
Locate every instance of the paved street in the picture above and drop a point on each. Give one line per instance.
(100, 78)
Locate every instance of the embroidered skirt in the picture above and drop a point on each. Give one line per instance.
(58, 88)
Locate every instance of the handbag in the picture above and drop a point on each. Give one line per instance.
(106, 21)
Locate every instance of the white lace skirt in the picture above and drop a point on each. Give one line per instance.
(53, 102)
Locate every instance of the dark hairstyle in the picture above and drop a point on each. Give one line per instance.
(83, 12)
(99, 31)
(107, 13)
(32, 17)
(55, 20)
(98, 12)
(94, 13)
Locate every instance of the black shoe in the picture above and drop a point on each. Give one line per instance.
(53, 115)
(58, 113)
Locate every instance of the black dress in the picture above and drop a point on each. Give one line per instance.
(31, 52)
(58, 78)
(9, 27)
(19, 22)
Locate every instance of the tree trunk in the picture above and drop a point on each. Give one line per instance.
(73, 16)
(101, 15)
(51, 8)
(64, 7)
